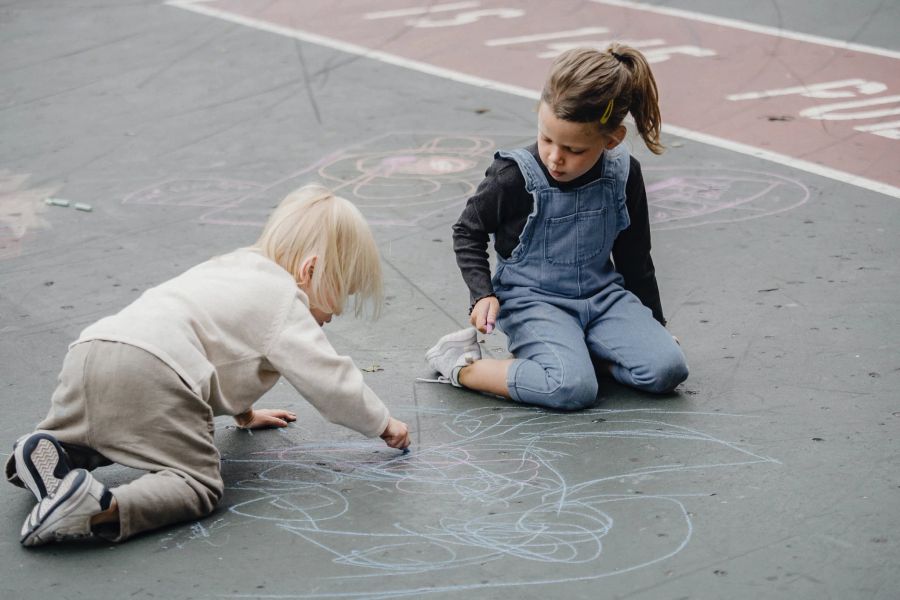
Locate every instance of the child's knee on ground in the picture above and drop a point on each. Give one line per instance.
(664, 375)
(564, 390)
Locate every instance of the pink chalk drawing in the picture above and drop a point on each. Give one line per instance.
(681, 197)
(409, 179)
(21, 211)
(397, 179)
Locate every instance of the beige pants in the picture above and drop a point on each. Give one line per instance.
(116, 403)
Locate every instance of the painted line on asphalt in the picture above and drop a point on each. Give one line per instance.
(198, 6)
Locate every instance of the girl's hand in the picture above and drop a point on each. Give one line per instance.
(484, 314)
(396, 434)
(264, 417)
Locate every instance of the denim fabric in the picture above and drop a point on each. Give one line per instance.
(562, 304)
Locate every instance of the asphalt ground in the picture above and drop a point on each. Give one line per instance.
(772, 472)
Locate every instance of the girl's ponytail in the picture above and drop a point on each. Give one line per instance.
(644, 104)
(589, 86)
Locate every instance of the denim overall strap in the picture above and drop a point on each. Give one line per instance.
(534, 176)
(564, 248)
(617, 165)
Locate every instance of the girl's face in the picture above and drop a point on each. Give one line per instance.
(570, 149)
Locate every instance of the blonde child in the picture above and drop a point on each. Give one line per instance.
(575, 287)
(141, 388)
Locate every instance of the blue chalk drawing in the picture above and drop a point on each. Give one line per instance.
(498, 494)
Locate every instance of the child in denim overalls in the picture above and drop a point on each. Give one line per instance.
(574, 287)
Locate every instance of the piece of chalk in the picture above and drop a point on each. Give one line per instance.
(489, 328)
(56, 202)
(84, 207)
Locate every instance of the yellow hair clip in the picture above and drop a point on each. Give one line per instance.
(607, 113)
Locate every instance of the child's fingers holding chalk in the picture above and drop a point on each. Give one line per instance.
(396, 434)
(484, 314)
(493, 309)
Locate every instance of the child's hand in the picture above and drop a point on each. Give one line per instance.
(396, 434)
(264, 417)
(484, 314)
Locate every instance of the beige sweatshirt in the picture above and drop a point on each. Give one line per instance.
(230, 327)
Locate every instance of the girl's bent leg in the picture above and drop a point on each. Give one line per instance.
(642, 352)
(487, 375)
(552, 367)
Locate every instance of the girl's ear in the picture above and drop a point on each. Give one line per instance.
(616, 137)
(306, 270)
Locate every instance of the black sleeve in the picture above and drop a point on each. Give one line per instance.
(471, 233)
(631, 250)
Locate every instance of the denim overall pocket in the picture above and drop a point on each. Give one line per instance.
(574, 239)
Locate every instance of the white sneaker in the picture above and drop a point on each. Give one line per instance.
(66, 515)
(453, 352)
(41, 463)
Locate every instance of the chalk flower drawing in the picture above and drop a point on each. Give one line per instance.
(422, 179)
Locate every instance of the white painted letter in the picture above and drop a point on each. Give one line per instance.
(829, 112)
(889, 130)
(819, 90)
(466, 18)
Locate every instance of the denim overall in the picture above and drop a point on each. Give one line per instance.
(562, 304)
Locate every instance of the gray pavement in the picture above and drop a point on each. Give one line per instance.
(771, 473)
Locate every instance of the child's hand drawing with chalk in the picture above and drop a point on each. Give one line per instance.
(396, 434)
(209, 342)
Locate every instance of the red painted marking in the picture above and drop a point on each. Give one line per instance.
(693, 89)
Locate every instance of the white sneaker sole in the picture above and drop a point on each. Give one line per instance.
(40, 464)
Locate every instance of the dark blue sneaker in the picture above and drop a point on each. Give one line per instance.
(41, 463)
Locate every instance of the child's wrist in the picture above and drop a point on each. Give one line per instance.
(479, 299)
(244, 419)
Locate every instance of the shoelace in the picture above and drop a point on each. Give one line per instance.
(440, 379)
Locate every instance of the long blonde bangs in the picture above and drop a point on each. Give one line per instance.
(312, 221)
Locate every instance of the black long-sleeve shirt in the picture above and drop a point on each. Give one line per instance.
(501, 205)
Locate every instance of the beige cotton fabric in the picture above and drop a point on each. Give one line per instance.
(140, 388)
(118, 403)
(231, 326)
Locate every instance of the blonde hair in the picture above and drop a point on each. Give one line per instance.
(311, 221)
(589, 86)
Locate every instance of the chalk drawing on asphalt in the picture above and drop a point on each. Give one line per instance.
(682, 197)
(397, 179)
(22, 211)
(499, 488)
(409, 179)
